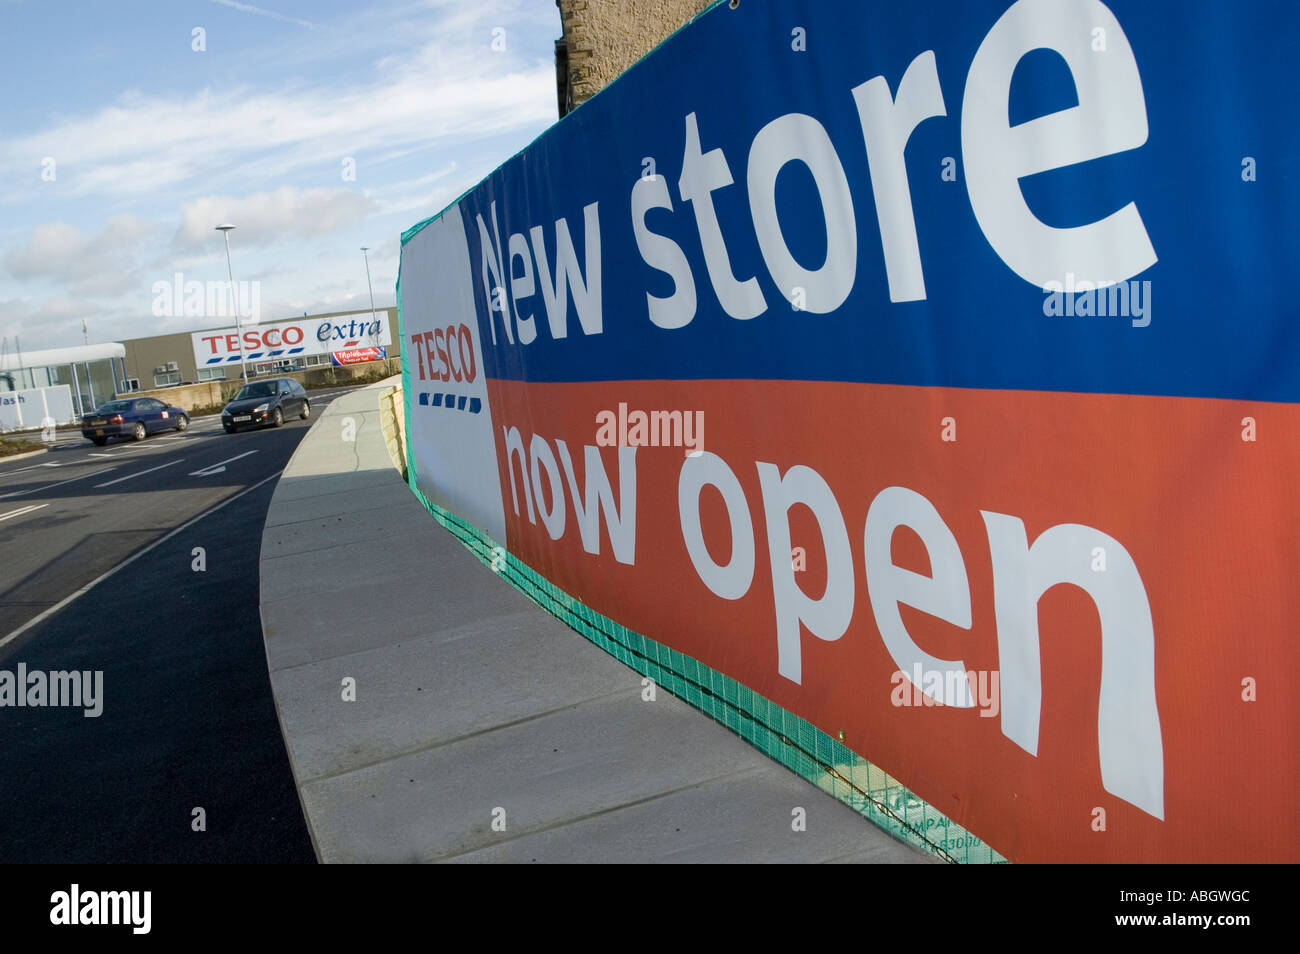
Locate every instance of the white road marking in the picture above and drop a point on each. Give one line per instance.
(21, 510)
(139, 473)
(127, 562)
(99, 455)
(35, 490)
(212, 468)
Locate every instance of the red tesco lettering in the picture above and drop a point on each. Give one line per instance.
(446, 354)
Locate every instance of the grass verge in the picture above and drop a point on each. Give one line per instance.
(9, 446)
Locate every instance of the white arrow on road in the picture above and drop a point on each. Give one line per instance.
(219, 466)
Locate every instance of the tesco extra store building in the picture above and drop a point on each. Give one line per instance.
(342, 339)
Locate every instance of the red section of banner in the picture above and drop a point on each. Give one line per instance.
(1206, 515)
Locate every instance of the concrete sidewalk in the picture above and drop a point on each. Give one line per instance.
(475, 710)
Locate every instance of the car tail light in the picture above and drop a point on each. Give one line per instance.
(115, 419)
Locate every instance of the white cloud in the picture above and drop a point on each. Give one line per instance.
(425, 194)
(63, 253)
(249, 8)
(64, 308)
(264, 217)
(444, 95)
(49, 250)
(57, 319)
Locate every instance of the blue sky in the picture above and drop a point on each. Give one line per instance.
(153, 143)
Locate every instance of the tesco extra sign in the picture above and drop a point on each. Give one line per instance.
(289, 339)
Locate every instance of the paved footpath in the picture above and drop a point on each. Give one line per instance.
(483, 729)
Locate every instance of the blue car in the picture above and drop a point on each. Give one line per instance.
(135, 418)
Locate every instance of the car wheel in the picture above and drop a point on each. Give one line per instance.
(277, 418)
(182, 422)
(139, 432)
(100, 441)
(306, 410)
(230, 429)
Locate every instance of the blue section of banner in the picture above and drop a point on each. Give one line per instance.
(1212, 183)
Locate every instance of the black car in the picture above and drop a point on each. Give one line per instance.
(265, 402)
(135, 418)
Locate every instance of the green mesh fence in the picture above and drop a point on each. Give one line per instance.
(795, 743)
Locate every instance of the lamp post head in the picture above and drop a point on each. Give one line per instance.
(224, 227)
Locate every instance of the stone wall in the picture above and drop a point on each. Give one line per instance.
(206, 394)
(602, 38)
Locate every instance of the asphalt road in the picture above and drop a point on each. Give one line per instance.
(187, 720)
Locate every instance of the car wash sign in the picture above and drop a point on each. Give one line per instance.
(932, 369)
(358, 331)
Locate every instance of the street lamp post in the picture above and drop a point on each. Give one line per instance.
(364, 250)
(234, 299)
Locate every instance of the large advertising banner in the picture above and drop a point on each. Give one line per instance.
(364, 331)
(930, 369)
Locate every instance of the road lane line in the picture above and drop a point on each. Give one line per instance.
(201, 472)
(22, 510)
(66, 463)
(36, 490)
(139, 473)
(127, 562)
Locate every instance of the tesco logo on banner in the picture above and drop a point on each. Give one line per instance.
(446, 354)
(253, 340)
